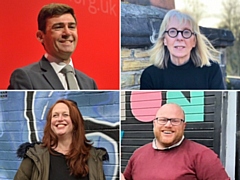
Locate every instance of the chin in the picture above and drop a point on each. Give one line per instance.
(60, 133)
(167, 144)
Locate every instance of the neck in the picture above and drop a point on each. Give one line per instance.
(51, 58)
(179, 61)
(162, 146)
(63, 145)
(159, 145)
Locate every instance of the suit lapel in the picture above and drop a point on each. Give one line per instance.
(49, 74)
(79, 79)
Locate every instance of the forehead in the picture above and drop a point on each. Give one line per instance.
(60, 107)
(65, 18)
(179, 23)
(170, 111)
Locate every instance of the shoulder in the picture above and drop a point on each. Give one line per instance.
(27, 72)
(144, 148)
(82, 75)
(42, 63)
(151, 68)
(192, 144)
(33, 147)
(213, 69)
(205, 161)
(28, 67)
(99, 152)
(213, 65)
(142, 153)
(151, 78)
(85, 81)
(195, 147)
(197, 153)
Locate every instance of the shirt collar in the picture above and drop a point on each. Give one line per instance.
(154, 145)
(57, 66)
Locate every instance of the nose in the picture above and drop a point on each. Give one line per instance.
(179, 35)
(168, 124)
(66, 30)
(60, 117)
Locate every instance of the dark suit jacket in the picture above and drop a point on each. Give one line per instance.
(41, 75)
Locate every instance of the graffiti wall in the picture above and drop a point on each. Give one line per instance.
(23, 116)
(138, 109)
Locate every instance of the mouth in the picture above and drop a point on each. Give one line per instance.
(167, 132)
(179, 47)
(66, 41)
(61, 125)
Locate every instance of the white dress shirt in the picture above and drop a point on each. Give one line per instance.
(58, 67)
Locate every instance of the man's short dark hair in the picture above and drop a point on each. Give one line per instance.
(51, 10)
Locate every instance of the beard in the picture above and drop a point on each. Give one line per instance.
(163, 141)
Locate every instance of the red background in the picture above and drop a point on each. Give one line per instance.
(97, 52)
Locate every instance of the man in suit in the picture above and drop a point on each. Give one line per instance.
(57, 32)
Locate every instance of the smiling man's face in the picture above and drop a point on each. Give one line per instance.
(168, 135)
(60, 37)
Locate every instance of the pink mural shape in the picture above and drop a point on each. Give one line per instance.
(145, 104)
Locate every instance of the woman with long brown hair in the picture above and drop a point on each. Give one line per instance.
(65, 152)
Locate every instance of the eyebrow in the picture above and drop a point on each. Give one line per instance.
(60, 112)
(61, 23)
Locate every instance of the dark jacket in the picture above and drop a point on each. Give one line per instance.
(41, 76)
(36, 162)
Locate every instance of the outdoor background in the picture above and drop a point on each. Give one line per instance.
(23, 118)
(140, 21)
(218, 14)
(211, 116)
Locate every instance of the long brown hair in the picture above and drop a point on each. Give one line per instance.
(80, 146)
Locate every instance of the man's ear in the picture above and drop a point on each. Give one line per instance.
(40, 36)
(184, 125)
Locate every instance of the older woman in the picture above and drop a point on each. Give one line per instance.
(183, 58)
(64, 153)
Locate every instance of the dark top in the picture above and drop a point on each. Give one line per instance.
(59, 169)
(186, 76)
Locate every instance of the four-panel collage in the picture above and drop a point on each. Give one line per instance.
(120, 90)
